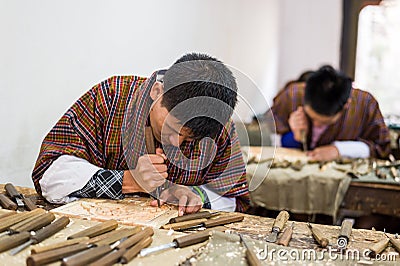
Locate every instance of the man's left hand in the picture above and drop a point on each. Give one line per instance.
(188, 201)
(324, 153)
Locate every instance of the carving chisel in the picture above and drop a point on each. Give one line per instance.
(193, 216)
(96, 230)
(279, 223)
(179, 242)
(251, 257)
(6, 222)
(286, 236)
(317, 235)
(43, 233)
(377, 248)
(7, 203)
(215, 222)
(151, 149)
(31, 224)
(345, 232)
(14, 194)
(395, 242)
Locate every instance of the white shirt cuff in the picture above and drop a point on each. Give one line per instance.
(352, 149)
(65, 175)
(219, 202)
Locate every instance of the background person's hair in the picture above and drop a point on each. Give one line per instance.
(327, 91)
(208, 87)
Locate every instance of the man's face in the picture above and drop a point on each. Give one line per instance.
(166, 128)
(321, 120)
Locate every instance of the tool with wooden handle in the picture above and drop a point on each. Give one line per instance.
(6, 214)
(345, 232)
(96, 230)
(395, 243)
(286, 236)
(377, 248)
(6, 203)
(193, 216)
(9, 242)
(216, 222)
(29, 204)
(14, 194)
(43, 233)
(6, 222)
(87, 256)
(184, 225)
(132, 252)
(34, 223)
(251, 257)
(179, 242)
(316, 233)
(53, 255)
(62, 244)
(151, 149)
(279, 223)
(145, 233)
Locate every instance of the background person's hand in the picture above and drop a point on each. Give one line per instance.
(298, 123)
(324, 153)
(184, 197)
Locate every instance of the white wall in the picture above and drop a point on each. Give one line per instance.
(51, 52)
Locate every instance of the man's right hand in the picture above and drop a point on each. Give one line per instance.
(150, 173)
(298, 123)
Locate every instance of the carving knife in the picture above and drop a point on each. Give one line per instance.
(151, 149)
(179, 242)
(193, 216)
(317, 235)
(286, 236)
(345, 232)
(8, 221)
(96, 230)
(32, 223)
(14, 194)
(7, 203)
(43, 233)
(278, 225)
(214, 222)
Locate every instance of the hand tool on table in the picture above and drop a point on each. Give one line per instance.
(227, 219)
(193, 216)
(251, 257)
(179, 242)
(6, 203)
(297, 165)
(286, 236)
(318, 236)
(8, 221)
(43, 233)
(19, 198)
(345, 232)
(393, 169)
(129, 254)
(378, 247)
(32, 223)
(151, 149)
(73, 246)
(395, 242)
(96, 230)
(278, 225)
(304, 140)
(184, 225)
(6, 214)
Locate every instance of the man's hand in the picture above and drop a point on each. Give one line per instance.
(298, 123)
(150, 173)
(188, 201)
(324, 153)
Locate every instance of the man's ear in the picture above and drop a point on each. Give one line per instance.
(156, 90)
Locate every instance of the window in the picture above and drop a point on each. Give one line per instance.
(378, 54)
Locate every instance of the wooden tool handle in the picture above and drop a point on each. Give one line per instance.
(377, 248)
(318, 236)
(281, 219)
(132, 252)
(9, 242)
(223, 220)
(191, 239)
(13, 219)
(6, 203)
(286, 237)
(87, 256)
(29, 204)
(149, 139)
(9, 213)
(54, 255)
(96, 230)
(50, 230)
(184, 225)
(145, 233)
(251, 258)
(192, 216)
(109, 259)
(11, 190)
(35, 224)
(346, 227)
(395, 243)
(62, 244)
(117, 235)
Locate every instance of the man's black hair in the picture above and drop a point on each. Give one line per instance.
(327, 91)
(201, 92)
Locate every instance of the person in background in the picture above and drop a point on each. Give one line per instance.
(97, 149)
(337, 119)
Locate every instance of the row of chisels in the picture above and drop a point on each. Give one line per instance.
(14, 200)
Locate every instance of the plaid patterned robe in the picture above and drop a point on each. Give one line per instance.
(94, 129)
(362, 121)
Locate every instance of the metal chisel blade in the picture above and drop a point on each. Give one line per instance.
(147, 251)
(272, 237)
